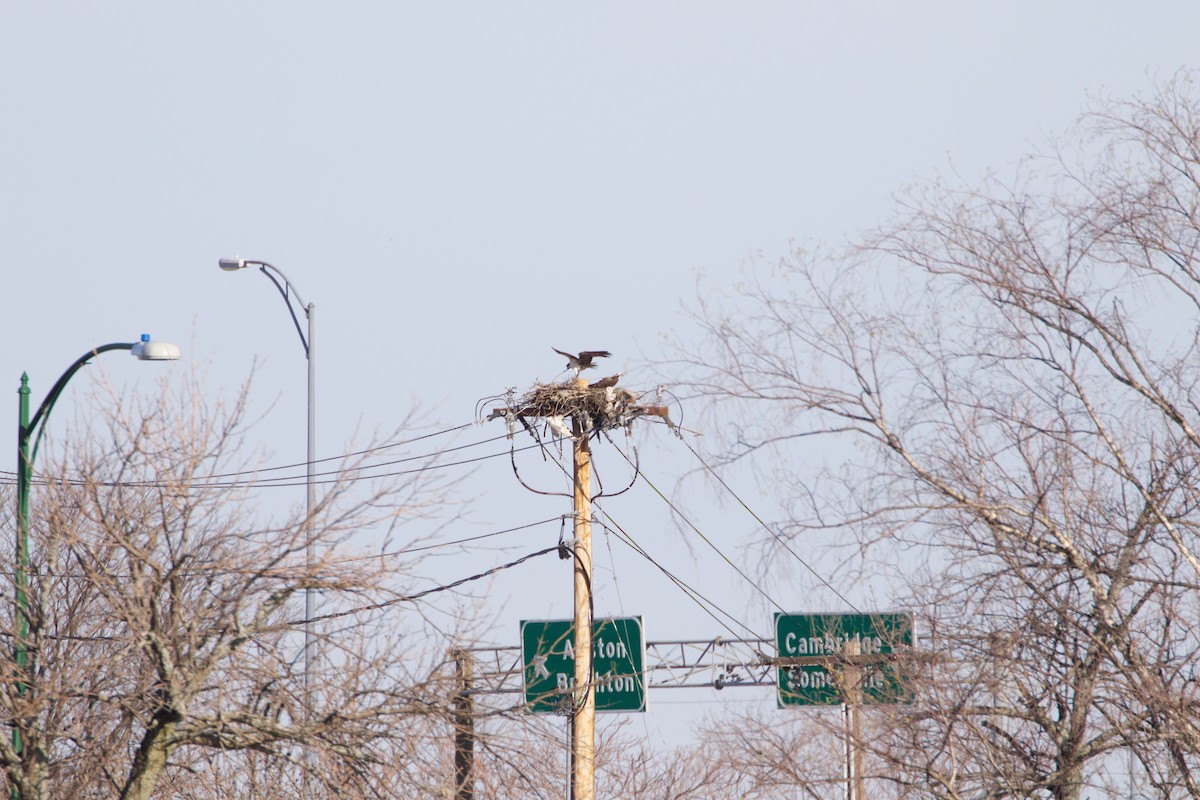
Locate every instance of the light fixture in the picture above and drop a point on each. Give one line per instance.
(146, 350)
(232, 264)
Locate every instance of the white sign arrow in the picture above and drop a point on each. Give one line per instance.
(539, 667)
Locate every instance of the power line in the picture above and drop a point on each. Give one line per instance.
(412, 597)
(290, 481)
(301, 465)
(700, 533)
(200, 564)
(705, 604)
(304, 464)
(356, 453)
(408, 550)
(351, 611)
(767, 527)
(271, 483)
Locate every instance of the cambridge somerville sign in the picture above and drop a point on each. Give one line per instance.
(815, 649)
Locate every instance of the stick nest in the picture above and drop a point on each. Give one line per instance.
(593, 409)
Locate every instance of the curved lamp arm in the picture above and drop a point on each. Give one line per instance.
(286, 290)
(144, 350)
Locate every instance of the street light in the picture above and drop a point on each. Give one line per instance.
(144, 350)
(288, 292)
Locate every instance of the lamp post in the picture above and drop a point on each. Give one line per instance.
(288, 292)
(144, 350)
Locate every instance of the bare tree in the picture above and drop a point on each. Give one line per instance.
(797, 754)
(1015, 366)
(526, 757)
(164, 615)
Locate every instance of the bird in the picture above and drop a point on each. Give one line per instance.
(605, 383)
(584, 360)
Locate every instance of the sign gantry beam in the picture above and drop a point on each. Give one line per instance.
(677, 664)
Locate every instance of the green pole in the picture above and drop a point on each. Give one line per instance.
(22, 571)
(25, 457)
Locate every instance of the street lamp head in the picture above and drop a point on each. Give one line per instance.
(146, 350)
(232, 264)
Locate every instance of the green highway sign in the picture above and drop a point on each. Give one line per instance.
(618, 664)
(824, 639)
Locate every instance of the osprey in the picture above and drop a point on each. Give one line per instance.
(605, 383)
(583, 360)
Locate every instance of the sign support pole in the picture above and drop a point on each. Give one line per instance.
(852, 677)
(583, 716)
(464, 726)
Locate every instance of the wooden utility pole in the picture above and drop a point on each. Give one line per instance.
(464, 726)
(583, 716)
(592, 408)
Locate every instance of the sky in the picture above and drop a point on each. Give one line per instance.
(459, 187)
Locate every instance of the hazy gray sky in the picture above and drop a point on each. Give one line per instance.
(460, 186)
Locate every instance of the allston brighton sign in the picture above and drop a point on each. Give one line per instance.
(618, 664)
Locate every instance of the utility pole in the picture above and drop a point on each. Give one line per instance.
(592, 409)
(464, 726)
(583, 716)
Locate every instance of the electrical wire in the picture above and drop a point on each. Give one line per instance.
(707, 605)
(359, 609)
(302, 480)
(433, 590)
(356, 453)
(474, 538)
(201, 564)
(353, 454)
(290, 480)
(767, 527)
(675, 510)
